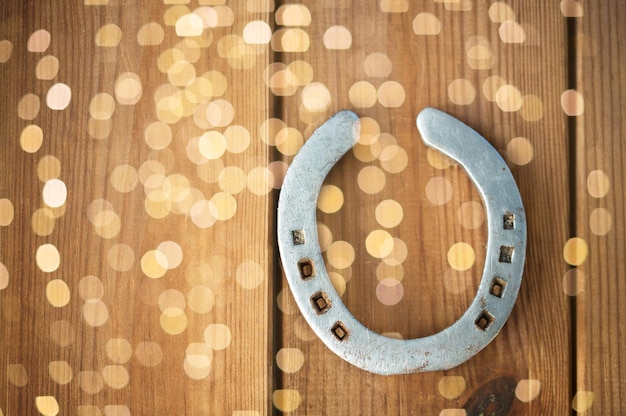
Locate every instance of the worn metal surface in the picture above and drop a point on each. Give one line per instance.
(319, 302)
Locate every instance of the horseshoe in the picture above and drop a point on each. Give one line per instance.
(313, 291)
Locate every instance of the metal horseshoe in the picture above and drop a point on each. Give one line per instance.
(313, 291)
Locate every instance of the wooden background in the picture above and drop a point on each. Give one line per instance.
(142, 150)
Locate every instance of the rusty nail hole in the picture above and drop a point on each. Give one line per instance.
(506, 254)
(340, 331)
(485, 319)
(497, 286)
(297, 237)
(320, 302)
(508, 221)
(307, 269)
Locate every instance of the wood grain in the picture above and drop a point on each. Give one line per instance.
(435, 295)
(600, 210)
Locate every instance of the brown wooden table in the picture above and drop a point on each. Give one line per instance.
(142, 150)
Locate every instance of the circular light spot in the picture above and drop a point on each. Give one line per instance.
(371, 179)
(316, 97)
(90, 288)
(330, 199)
(232, 180)
(571, 8)
(293, 15)
(520, 151)
(583, 400)
(511, 32)
(189, 25)
(500, 12)
(43, 222)
(379, 243)
(158, 135)
(149, 354)
(39, 41)
(249, 274)
(384, 270)
(109, 36)
(90, 381)
(128, 89)
(438, 160)
(289, 141)
(60, 372)
(389, 213)
(28, 107)
(58, 96)
(152, 264)
(220, 113)
(393, 159)
(257, 33)
(124, 178)
(338, 281)
(492, 85)
(439, 190)
(398, 255)
(370, 131)
(461, 92)
(325, 236)
(527, 390)
(391, 94)
(451, 387)
(212, 145)
(47, 68)
(290, 40)
(119, 350)
(181, 74)
(4, 276)
(99, 129)
(532, 108)
(58, 293)
(362, 94)
(48, 258)
(47, 405)
(574, 282)
(95, 312)
(31, 138)
(301, 73)
(508, 98)
(340, 254)
(203, 213)
(54, 193)
(394, 6)
(377, 65)
(121, 257)
(260, 181)
(337, 37)
(49, 167)
(102, 106)
(286, 400)
(289, 360)
(237, 138)
(598, 184)
(426, 24)
(600, 221)
(201, 299)
(471, 215)
(150, 34)
(173, 321)
(572, 103)
(7, 212)
(575, 251)
(389, 291)
(172, 253)
(217, 336)
(6, 49)
(17, 375)
(461, 256)
(225, 206)
(115, 376)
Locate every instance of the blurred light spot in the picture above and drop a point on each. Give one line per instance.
(203, 213)
(338, 281)
(115, 376)
(389, 291)
(119, 350)
(47, 258)
(384, 270)
(237, 138)
(286, 400)
(150, 34)
(303, 331)
(149, 354)
(260, 181)
(90, 288)
(220, 113)
(471, 215)
(6, 49)
(574, 282)
(124, 178)
(492, 85)
(508, 98)
(451, 387)
(371, 180)
(109, 35)
(189, 25)
(290, 40)
(173, 321)
(225, 206)
(58, 293)
(201, 299)
(330, 199)
(439, 190)
(394, 6)
(47, 68)
(172, 254)
(17, 375)
(461, 256)
(520, 151)
(217, 336)
(90, 381)
(500, 12)
(54, 193)
(60, 372)
(121, 257)
(289, 141)
(370, 131)
(257, 33)
(391, 94)
(511, 32)
(426, 24)
(362, 94)
(316, 97)
(7, 212)
(389, 213)
(337, 37)
(600, 221)
(572, 103)
(293, 15)
(379, 243)
(461, 92)
(458, 5)
(324, 235)
(128, 89)
(95, 312)
(575, 251)
(99, 129)
(152, 264)
(571, 8)
(532, 108)
(393, 159)
(377, 65)
(31, 138)
(102, 106)
(43, 221)
(39, 41)
(340, 254)
(249, 274)
(398, 254)
(301, 73)
(47, 405)
(453, 412)
(289, 360)
(4, 276)
(58, 96)
(438, 160)
(28, 107)
(583, 400)
(598, 184)
(527, 390)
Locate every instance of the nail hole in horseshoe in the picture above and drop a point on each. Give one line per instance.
(307, 269)
(497, 287)
(340, 331)
(321, 303)
(484, 320)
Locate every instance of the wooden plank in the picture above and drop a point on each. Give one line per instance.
(601, 300)
(146, 291)
(450, 69)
